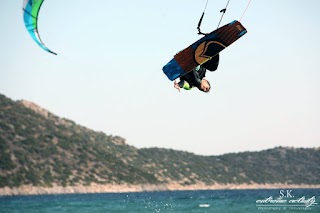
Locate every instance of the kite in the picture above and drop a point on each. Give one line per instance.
(31, 10)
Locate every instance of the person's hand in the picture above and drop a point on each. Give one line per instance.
(176, 85)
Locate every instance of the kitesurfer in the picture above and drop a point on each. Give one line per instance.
(195, 78)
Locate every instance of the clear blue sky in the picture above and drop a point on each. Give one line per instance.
(108, 72)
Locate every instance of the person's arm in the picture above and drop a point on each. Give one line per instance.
(199, 73)
(177, 85)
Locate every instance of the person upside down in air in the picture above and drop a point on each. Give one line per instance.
(195, 78)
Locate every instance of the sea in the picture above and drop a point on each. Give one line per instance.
(237, 201)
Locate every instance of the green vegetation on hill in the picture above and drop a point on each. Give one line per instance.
(41, 149)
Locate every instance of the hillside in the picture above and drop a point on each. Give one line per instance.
(40, 149)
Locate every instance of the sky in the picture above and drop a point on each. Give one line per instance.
(108, 75)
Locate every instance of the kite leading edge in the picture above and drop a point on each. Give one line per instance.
(30, 16)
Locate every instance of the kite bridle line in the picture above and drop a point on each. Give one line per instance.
(223, 11)
(200, 21)
(245, 10)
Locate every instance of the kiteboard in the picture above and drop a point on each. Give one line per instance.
(203, 50)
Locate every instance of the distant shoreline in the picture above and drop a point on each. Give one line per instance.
(126, 188)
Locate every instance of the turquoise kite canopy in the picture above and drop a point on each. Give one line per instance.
(30, 16)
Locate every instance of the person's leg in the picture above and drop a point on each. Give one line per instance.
(212, 65)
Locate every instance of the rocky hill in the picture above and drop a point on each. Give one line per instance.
(38, 148)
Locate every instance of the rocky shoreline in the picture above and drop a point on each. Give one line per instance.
(125, 188)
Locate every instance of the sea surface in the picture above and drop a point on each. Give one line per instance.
(238, 201)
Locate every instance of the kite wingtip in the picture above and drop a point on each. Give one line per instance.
(53, 53)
